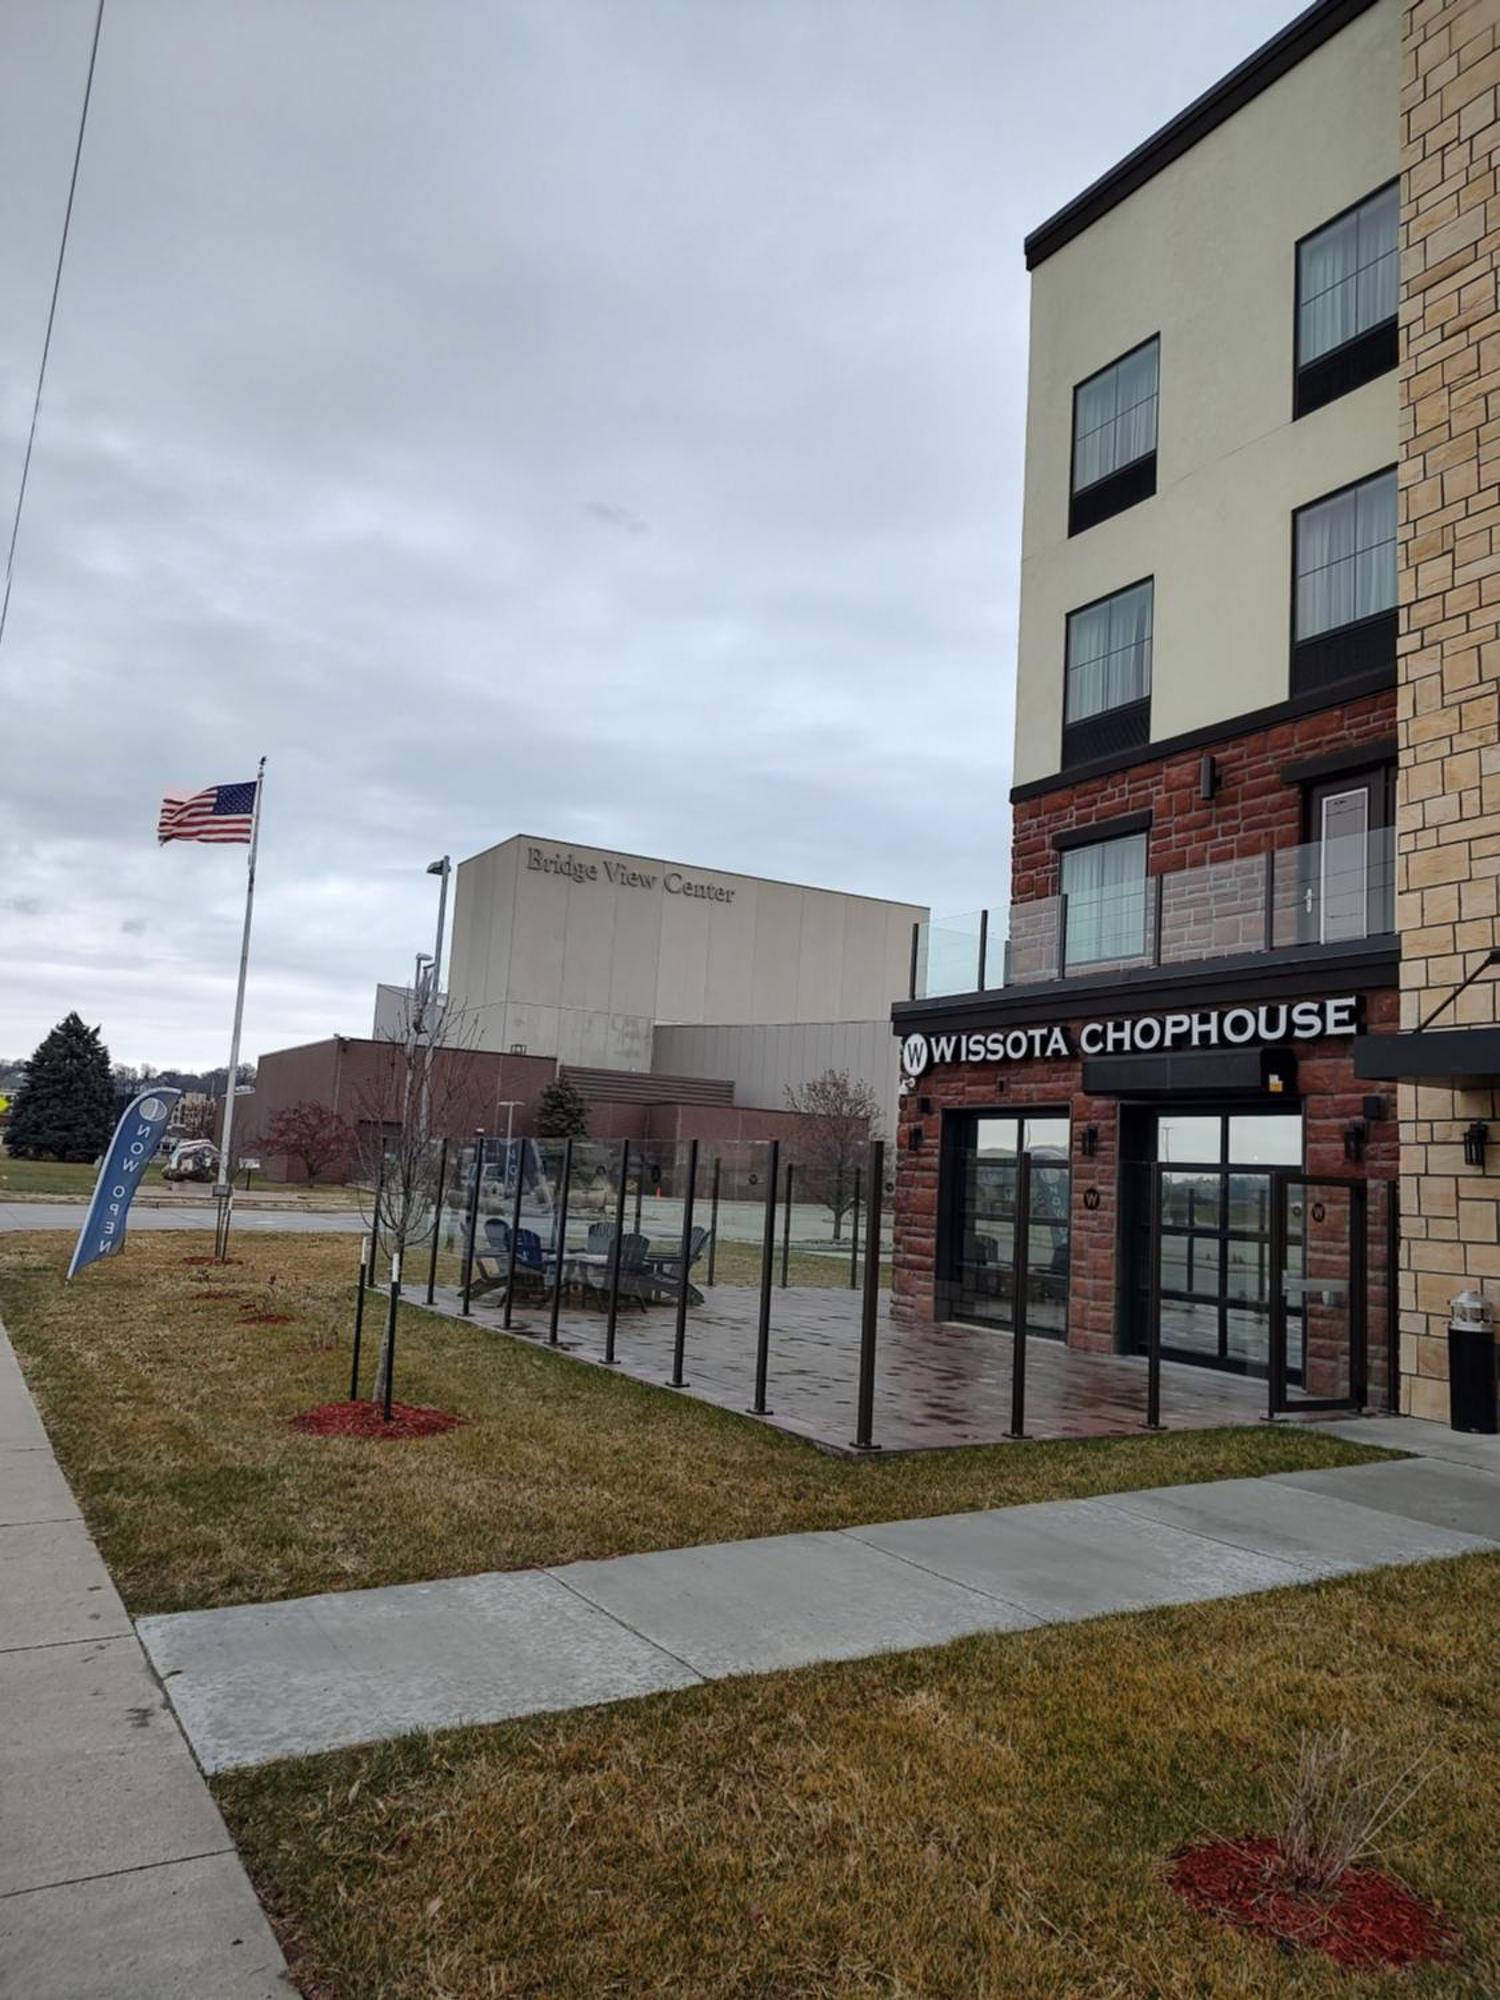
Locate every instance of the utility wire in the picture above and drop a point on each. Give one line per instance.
(41, 377)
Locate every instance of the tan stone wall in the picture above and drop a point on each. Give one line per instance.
(1448, 863)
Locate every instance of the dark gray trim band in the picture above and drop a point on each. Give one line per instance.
(1454, 1055)
(1359, 757)
(1267, 65)
(1103, 829)
(1248, 724)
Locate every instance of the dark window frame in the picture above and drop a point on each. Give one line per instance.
(1364, 357)
(1128, 484)
(1364, 650)
(1124, 727)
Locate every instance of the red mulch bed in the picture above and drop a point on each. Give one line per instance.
(1369, 1921)
(367, 1420)
(266, 1319)
(213, 1260)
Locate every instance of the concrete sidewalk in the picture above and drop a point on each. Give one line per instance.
(20, 1216)
(256, 1682)
(118, 1880)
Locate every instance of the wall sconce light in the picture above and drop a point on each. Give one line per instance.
(1355, 1134)
(1476, 1138)
(1208, 778)
(1088, 1141)
(913, 1138)
(1375, 1110)
(924, 1105)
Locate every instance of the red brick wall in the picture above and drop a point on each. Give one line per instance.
(1331, 1095)
(1252, 811)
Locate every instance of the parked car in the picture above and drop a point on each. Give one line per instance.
(192, 1160)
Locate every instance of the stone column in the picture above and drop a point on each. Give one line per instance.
(1448, 839)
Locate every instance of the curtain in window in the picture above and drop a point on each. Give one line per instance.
(1114, 417)
(1346, 557)
(1347, 276)
(1109, 653)
(1106, 890)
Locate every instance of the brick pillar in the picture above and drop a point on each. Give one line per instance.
(1448, 842)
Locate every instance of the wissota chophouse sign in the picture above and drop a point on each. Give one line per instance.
(1139, 1034)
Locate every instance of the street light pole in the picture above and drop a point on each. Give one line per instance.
(443, 869)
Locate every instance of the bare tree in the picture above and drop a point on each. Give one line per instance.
(313, 1133)
(422, 1085)
(841, 1115)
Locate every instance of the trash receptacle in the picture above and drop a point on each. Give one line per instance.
(1472, 1404)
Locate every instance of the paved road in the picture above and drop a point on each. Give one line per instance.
(260, 1681)
(23, 1215)
(118, 1880)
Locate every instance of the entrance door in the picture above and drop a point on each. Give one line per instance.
(981, 1277)
(1318, 1251)
(1213, 1254)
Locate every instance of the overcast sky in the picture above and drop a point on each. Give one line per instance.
(595, 418)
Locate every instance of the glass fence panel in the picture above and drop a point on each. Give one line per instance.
(1110, 929)
(1035, 939)
(1214, 911)
(1333, 891)
(948, 955)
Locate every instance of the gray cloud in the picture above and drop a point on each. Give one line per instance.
(387, 329)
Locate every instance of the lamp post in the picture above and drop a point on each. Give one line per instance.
(442, 869)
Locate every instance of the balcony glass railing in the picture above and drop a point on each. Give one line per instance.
(1326, 892)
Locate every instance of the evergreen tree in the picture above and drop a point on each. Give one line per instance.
(561, 1112)
(65, 1108)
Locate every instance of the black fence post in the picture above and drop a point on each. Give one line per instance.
(786, 1224)
(916, 941)
(1020, 1301)
(1153, 1311)
(1276, 1372)
(473, 1228)
(562, 1242)
(359, 1315)
(984, 948)
(614, 1255)
(767, 1267)
(864, 1422)
(516, 1148)
(437, 1221)
(390, 1331)
(679, 1342)
(854, 1238)
(1359, 1295)
(1270, 895)
(1158, 916)
(713, 1220)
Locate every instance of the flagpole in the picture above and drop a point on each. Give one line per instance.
(226, 1159)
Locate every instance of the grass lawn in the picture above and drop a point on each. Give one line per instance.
(170, 1417)
(984, 1819)
(58, 1176)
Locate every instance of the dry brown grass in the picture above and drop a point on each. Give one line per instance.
(171, 1419)
(985, 1821)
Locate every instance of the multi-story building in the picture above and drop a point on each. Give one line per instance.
(1255, 662)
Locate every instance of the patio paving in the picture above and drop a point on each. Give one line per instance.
(935, 1386)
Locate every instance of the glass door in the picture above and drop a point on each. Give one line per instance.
(1318, 1247)
(1215, 1260)
(982, 1276)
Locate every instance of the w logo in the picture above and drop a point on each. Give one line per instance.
(915, 1054)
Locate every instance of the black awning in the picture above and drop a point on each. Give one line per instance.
(1436, 1055)
(1193, 1073)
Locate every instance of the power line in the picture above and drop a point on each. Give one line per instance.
(41, 376)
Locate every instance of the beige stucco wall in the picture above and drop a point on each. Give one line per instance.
(1204, 255)
(584, 969)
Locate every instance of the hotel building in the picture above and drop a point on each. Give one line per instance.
(1256, 784)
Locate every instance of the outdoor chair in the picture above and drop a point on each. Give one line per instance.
(600, 1238)
(634, 1251)
(663, 1279)
(493, 1263)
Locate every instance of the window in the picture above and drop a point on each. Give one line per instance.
(1346, 301)
(1105, 889)
(978, 1259)
(1345, 560)
(1114, 437)
(1107, 706)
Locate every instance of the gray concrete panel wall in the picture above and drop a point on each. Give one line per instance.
(762, 1059)
(579, 952)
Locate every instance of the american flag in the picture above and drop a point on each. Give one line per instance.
(223, 812)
